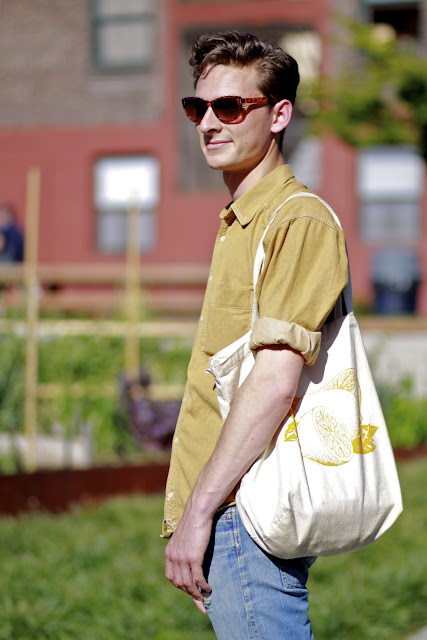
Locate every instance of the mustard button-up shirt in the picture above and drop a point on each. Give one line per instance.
(304, 272)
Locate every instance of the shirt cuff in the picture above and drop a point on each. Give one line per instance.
(269, 331)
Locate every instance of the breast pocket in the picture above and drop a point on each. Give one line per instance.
(228, 317)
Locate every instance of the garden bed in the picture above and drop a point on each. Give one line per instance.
(58, 490)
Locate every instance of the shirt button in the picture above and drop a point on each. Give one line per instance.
(222, 238)
(201, 318)
(210, 278)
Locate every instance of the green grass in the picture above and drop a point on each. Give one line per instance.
(97, 574)
(94, 574)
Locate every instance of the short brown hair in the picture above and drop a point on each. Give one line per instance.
(278, 71)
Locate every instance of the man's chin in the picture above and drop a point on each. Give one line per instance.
(217, 163)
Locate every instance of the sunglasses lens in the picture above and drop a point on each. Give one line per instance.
(227, 109)
(195, 108)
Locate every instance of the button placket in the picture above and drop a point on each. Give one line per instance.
(215, 260)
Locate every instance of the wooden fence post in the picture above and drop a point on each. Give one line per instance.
(32, 300)
(132, 286)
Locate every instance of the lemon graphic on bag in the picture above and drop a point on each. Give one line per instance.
(345, 407)
(331, 436)
(323, 438)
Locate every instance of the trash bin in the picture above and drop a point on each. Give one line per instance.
(396, 277)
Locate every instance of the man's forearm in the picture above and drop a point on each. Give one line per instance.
(258, 409)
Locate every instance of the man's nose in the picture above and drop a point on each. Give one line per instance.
(209, 121)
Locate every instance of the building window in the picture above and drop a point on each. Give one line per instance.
(123, 34)
(390, 187)
(403, 15)
(119, 183)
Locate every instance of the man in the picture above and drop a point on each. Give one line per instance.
(11, 237)
(244, 92)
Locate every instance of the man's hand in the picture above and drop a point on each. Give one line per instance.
(185, 553)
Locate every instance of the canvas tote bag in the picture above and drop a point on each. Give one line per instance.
(327, 482)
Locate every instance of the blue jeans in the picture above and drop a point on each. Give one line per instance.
(254, 596)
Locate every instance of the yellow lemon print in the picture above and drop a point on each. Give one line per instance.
(328, 437)
(364, 442)
(346, 381)
(323, 438)
(345, 407)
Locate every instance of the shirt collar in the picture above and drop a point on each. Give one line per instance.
(247, 206)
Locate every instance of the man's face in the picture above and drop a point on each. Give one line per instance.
(233, 148)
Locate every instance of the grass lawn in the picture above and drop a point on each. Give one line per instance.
(97, 574)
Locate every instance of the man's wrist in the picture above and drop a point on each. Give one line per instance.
(204, 505)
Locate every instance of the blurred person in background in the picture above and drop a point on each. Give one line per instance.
(11, 236)
(244, 93)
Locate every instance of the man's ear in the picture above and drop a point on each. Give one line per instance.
(282, 112)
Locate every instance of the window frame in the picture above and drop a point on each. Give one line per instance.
(384, 3)
(367, 9)
(97, 22)
(121, 207)
(368, 195)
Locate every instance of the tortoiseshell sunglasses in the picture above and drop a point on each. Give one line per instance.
(228, 109)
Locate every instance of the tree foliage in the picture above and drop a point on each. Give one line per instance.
(379, 96)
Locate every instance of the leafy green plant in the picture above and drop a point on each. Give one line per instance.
(11, 383)
(405, 415)
(94, 364)
(379, 97)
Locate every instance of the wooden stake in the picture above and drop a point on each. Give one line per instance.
(32, 295)
(132, 293)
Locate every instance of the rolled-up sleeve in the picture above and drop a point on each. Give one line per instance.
(269, 331)
(305, 270)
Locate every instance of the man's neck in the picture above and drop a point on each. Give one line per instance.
(238, 183)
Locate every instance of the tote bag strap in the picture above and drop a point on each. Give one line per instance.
(344, 303)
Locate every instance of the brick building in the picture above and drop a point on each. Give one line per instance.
(90, 94)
